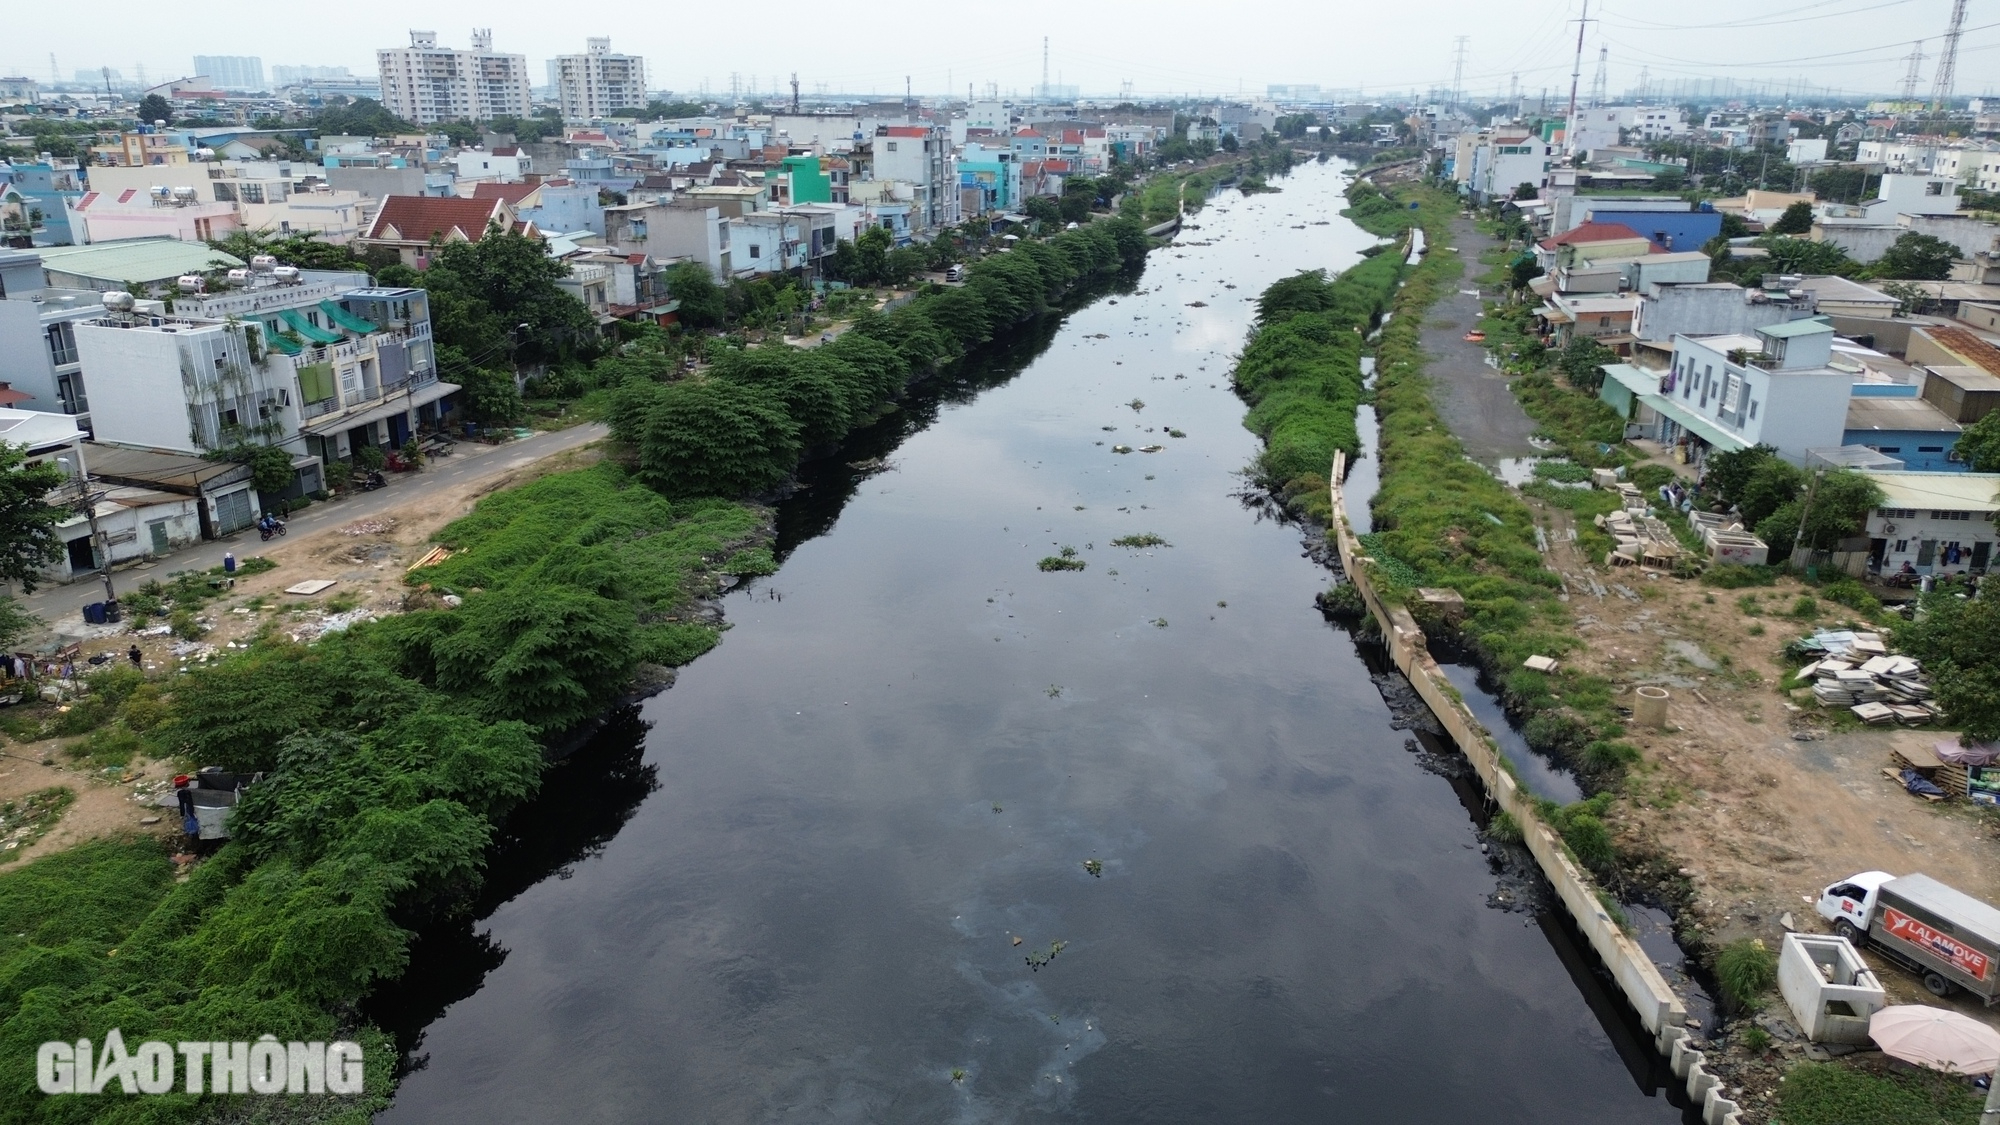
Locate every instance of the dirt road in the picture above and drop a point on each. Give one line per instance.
(1473, 397)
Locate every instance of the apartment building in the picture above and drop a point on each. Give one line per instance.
(232, 72)
(592, 84)
(426, 83)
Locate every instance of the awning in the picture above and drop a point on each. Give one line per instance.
(347, 319)
(286, 346)
(1695, 424)
(398, 403)
(307, 328)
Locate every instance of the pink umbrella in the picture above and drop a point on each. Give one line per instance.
(1937, 1038)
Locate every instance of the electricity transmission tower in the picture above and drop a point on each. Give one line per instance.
(1576, 71)
(1910, 76)
(1947, 70)
(1599, 83)
(1458, 72)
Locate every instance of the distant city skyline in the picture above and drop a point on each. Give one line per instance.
(1860, 47)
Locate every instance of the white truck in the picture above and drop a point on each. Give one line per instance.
(1945, 936)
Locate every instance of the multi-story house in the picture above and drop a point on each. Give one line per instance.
(318, 364)
(426, 83)
(38, 338)
(593, 84)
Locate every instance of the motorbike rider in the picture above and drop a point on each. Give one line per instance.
(268, 525)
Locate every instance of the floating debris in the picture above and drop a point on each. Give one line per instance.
(1174, 433)
(1017, 939)
(1151, 448)
(1159, 622)
(1137, 404)
(1095, 867)
(1054, 691)
(1038, 958)
(1066, 560)
(1121, 449)
(1143, 539)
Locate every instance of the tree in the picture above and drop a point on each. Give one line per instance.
(363, 117)
(706, 437)
(1797, 219)
(28, 536)
(701, 299)
(1803, 255)
(1523, 270)
(1958, 641)
(153, 108)
(1526, 191)
(1582, 362)
(15, 623)
(1835, 508)
(1229, 143)
(1046, 210)
(1980, 444)
(1917, 257)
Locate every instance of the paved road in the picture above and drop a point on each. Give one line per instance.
(1473, 398)
(62, 606)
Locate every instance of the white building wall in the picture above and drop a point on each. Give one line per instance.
(135, 381)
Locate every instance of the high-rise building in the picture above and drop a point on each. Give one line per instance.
(426, 83)
(300, 75)
(231, 72)
(596, 82)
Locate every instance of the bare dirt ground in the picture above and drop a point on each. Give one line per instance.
(1761, 800)
(366, 558)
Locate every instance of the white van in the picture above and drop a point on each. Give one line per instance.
(955, 273)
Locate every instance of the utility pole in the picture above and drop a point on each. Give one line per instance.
(98, 542)
(1458, 72)
(1045, 69)
(1947, 70)
(55, 75)
(1576, 75)
(1805, 513)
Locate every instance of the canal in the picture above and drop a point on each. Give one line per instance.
(935, 835)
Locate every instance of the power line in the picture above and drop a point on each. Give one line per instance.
(1458, 73)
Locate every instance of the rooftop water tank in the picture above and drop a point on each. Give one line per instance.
(286, 273)
(191, 283)
(119, 302)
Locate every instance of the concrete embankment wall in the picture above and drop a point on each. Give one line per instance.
(1638, 979)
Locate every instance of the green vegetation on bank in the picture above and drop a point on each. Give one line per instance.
(1301, 374)
(1833, 1094)
(742, 426)
(1455, 525)
(394, 749)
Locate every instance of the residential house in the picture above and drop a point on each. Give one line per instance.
(154, 265)
(1772, 386)
(1939, 523)
(1590, 242)
(315, 363)
(693, 230)
(415, 225)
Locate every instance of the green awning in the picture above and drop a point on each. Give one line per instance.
(307, 328)
(283, 345)
(347, 320)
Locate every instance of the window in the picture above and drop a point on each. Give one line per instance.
(1902, 546)
(1604, 322)
(1732, 392)
(892, 146)
(1930, 449)
(1897, 513)
(1937, 514)
(1889, 449)
(756, 251)
(1753, 408)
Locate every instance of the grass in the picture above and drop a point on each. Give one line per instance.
(599, 528)
(1834, 1094)
(1746, 970)
(1436, 512)
(1584, 427)
(27, 819)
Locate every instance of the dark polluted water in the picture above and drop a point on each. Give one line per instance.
(1237, 894)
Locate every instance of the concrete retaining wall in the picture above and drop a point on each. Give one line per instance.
(1638, 979)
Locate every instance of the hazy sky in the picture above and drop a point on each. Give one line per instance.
(1159, 48)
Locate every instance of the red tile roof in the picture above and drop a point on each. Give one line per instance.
(419, 218)
(507, 150)
(905, 130)
(1591, 232)
(512, 193)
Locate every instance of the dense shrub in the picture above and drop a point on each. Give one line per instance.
(1746, 970)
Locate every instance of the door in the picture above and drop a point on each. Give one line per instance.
(1926, 552)
(1981, 554)
(232, 512)
(158, 530)
(81, 557)
(399, 429)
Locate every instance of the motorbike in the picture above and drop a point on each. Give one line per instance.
(373, 480)
(275, 527)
